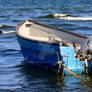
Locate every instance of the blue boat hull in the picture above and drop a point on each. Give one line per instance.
(45, 54)
(39, 53)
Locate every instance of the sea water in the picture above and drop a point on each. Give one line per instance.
(71, 15)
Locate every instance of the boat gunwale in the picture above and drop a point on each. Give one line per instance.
(36, 41)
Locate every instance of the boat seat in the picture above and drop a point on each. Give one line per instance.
(28, 25)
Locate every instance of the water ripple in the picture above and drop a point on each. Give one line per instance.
(15, 76)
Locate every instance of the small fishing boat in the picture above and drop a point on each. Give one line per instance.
(50, 47)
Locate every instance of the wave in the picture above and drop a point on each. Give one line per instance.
(66, 17)
(76, 18)
(7, 32)
(25, 9)
(54, 15)
(9, 52)
(7, 26)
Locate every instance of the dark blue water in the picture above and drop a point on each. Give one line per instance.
(14, 76)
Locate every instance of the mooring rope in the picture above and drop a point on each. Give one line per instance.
(60, 63)
(77, 77)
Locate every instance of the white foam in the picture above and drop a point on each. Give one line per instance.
(60, 15)
(1, 25)
(67, 17)
(8, 32)
(76, 18)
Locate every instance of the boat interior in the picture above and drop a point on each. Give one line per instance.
(35, 32)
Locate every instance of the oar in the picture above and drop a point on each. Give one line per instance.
(77, 77)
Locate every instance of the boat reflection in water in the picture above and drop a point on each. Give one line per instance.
(38, 79)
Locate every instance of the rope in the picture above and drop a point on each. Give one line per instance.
(61, 64)
(77, 77)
